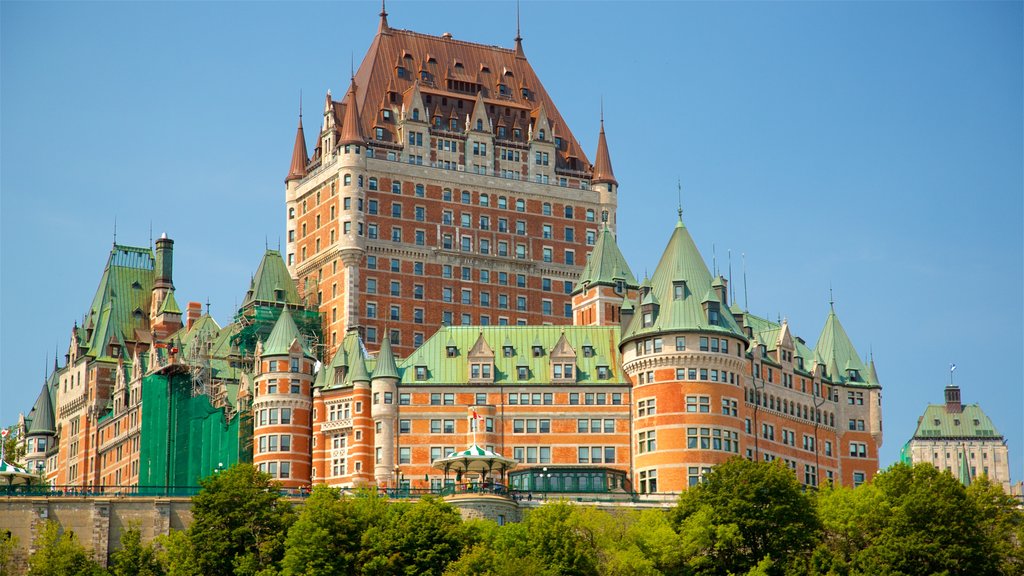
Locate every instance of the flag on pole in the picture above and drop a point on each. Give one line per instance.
(952, 367)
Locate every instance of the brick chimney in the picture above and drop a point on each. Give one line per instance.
(192, 313)
(953, 405)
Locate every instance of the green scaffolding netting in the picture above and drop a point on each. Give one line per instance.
(184, 438)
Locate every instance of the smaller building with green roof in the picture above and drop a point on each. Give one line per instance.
(960, 439)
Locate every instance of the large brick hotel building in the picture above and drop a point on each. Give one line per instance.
(450, 253)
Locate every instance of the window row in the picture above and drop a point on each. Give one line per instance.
(531, 426)
(596, 454)
(595, 425)
(275, 443)
(272, 416)
(790, 408)
(713, 439)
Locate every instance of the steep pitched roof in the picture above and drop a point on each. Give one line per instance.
(835, 350)
(299, 156)
(443, 369)
(285, 333)
(971, 423)
(386, 366)
(681, 262)
(272, 283)
(603, 162)
(469, 66)
(120, 307)
(605, 265)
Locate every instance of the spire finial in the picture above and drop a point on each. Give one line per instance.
(831, 300)
(207, 305)
(56, 350)
(151, 234)
(679, 194)
(602, 112)
(352, 66)
(300, 105)
(746, 302)
(383, 17)
(519, 37)
(115, 229)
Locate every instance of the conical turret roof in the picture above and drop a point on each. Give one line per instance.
(272, 283)
(603, 162)
(682, 265)
(835, 350)
(299, 156)
(386, 366)
(357, 371)
(284, 334)
(42, 415)
(351, 132)
(606, 264)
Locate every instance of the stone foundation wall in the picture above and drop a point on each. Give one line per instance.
(97, 522)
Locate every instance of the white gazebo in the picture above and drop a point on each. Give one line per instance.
(486, 466)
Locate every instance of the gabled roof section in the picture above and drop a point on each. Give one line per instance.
(481, 349)
(378, 70)
(43, 421)
(272, 283)
(606, 265)
(681, 264)
(603, 163)
(357, 371)
(837, 353)
(299, 156)
(284, 336)
(444, 370)
(972, 423)
(386, 366)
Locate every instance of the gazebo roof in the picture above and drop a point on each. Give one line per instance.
(11, 474)
(474, 460)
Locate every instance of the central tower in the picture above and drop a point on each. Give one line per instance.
(445, 188)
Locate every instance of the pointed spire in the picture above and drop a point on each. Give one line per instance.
(519, 37)
(351, 131)
(383, 27)
(603, 163)
(299, 156)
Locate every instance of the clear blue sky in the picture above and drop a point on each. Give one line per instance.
(872, 147)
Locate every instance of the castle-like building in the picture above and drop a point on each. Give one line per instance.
(451, 277)
(960, 439)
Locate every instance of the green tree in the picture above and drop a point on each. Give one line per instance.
(742, 513)
(1001, 523)
(59, 554)
(327, 535)
(134, 558)
(239, 523)
(419, 538)
(14, 450)
(175, 554)
(8, 552)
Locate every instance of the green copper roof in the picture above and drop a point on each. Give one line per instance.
(386, 367)
(120, 307)
(272, 283)
(971, 423)
(333, 375)
(170, 305)
(681, 264)
(285, 332)
(837, 353)
(357, 371)
(606, 265)
(444, 369)
(42, 414)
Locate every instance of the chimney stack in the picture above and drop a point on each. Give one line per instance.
(953, 405)
(192, 313)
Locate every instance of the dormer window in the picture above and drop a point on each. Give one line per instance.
(562, 371)
(522, 373)
(479, 124)
(425, 76)
(400, 72)
(421, 372)
(279, 295)
(480, 371)
(452, 351)
(485, 69)
(648, 319)
(136, 285)
(540, 134)
(538, 351)
(603, 373)
(503, 90)
(588, 351)
(385, 114)
(853, 374)
(678, 289)
(713, 313)
(294, 364)
(415, 113)
(507, 351)
(525, 92)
